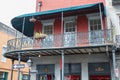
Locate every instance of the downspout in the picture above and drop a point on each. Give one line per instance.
(39, 6)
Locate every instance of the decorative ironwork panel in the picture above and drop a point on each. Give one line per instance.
(98, 37)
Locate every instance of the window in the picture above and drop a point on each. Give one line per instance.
(3, 76)
(95, 24)
(69, 31)
(48, 29)
(70, 26)
(25, 77)
(4, 49)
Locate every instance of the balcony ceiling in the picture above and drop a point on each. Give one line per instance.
(17, 22)
(25, 54)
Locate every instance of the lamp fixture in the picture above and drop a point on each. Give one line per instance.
(39, 55)
(29, 62)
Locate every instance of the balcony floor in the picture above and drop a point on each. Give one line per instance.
(25, 54)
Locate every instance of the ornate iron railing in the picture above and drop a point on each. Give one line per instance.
(99, 37)
(118, 40)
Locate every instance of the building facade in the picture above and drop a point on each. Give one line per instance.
(7, 33)
(113, 12)
(67, 40)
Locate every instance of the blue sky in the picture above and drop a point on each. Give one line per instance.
(11, 8)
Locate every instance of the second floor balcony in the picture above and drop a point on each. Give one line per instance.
(81, 39)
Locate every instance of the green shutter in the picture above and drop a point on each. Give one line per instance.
(6, 76)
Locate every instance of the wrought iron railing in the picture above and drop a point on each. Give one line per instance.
(92, 38)
(118, 40)
(115, 2)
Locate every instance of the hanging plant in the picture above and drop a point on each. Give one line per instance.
(32, 19)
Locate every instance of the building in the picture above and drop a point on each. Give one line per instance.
(7, 33)
(66, 41)
(113, 12)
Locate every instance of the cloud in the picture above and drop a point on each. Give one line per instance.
(11, 8)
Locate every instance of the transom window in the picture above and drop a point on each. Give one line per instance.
(95, 24)
(70, 26)
(48, 29)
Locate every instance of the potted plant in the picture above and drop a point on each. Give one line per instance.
(40, 35)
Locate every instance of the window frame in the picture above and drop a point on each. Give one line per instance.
(46, 23)
(70, 19)
(3, 59)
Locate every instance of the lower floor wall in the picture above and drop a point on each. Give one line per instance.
(76, 67)
(5, 74)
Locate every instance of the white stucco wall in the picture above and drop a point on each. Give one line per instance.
(83, 59)
(113, 13)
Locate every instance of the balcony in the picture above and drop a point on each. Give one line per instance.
(115, 2)
(67, 40)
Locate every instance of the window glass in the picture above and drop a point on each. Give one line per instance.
(4, 49)
(70, 26)
(3, 76)
(95, 24)
(25, 77)
(48, 29)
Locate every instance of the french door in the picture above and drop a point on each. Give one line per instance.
(48, 41)
(96, 34)
(69, 33)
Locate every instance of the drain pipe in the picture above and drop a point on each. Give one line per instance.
(39, 6)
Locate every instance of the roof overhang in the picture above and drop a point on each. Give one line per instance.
(17, 22)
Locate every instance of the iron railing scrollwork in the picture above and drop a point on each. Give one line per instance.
(98, 37)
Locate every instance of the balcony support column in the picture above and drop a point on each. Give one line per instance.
(62, 65)
(11, 75)
(19, 58)
(23, 25)
(114, 63)
(62, 29)
(100, 15)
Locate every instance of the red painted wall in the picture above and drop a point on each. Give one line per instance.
(57, 26)
(82, 24)
(55, 4)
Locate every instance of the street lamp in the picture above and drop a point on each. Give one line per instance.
(29, 64)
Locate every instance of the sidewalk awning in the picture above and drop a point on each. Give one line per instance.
(17, 22)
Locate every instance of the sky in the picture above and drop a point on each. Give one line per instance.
(12, 8)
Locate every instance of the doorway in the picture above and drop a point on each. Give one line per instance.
(46, 77)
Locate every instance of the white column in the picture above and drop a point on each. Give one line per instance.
(57, 72)
(84, 71)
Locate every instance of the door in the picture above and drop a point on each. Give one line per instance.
(96, 34)
(48, 41)
(69, 33)
(46, 77)
(100, 78)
